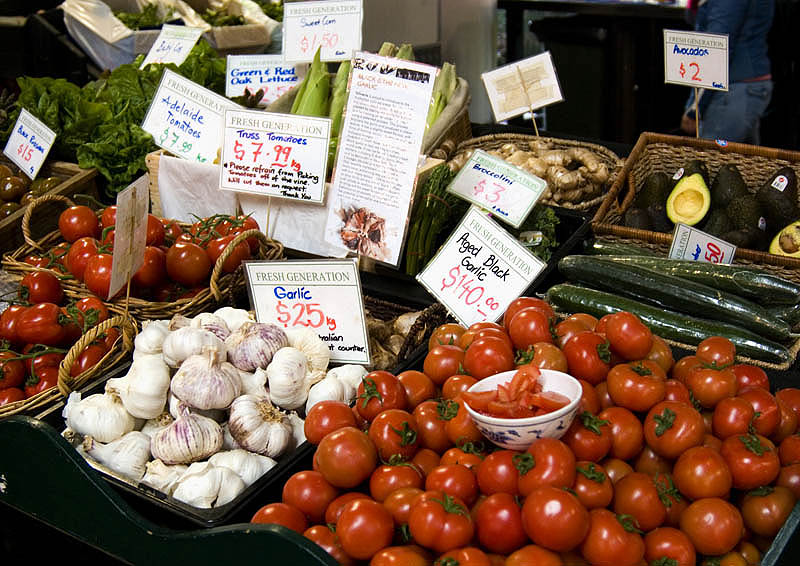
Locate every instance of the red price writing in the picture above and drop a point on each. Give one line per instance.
(491, 195)
(303, 314)
(25, 151)
(465, 289)
(326, 40)
(695, 75)
(282, 153)
(713, 253)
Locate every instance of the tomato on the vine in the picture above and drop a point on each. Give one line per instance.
(12, 370)
(40, 324)
(11, 395)
(97, 276)
(188, 263)
(78, 255)
(8, 324)
(153, 271)
(41, 287)
(77, 222)
(238, 254)
(46, 377)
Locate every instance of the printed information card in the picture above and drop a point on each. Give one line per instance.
(130, 233)
(696, 59)
(324, 295)
(280, 155)
(172, 45)
(522, 86)
(695, 245)
(29, 143)
(265, 73)
(186, 119)
(479, 270)
(333, 26)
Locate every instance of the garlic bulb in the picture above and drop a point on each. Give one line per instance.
(203, 485)
(247, 465)
(162, 477)
(253, 344)
(258, 426)
(176, 407)
(228, 441)
(287, 378)
(190, 438)
(308, 342)
(350, 375)
(101, 416)
(127, 455)
(143, 390)
(329, 388)
(203, 383)
(211, 322)
(179, 321)
(234, 318)
(254, 383)
(151, 338)
(152, 426)
(298, 430)
(188, 341)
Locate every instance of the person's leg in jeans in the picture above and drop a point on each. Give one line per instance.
(736, 115)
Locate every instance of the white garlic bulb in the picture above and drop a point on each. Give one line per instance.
(187, 341)
(254, 383)
(213, 323)
(234, 318)
(162, 477)
(152, 426)
(151, 338)
(101, 416)
(247, 465)
(254, 344)
(308, 342)
(189, 439)
(286, 375)
(350, 375)
(329, 389)
(179, 321)
(143, 390)
(258, 426)
(205, 486)
(176, 407)
(126, 456)
(204, 383)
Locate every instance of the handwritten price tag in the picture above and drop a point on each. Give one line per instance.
(324, 295)
(522, 86)
(695, 245)
(507, 191)
(130, 233)
(265, 73)
(479, 270)
(281, 155)
(186, 119)
(696, 59)
(333, 26)
(172, 45)
(29, 143)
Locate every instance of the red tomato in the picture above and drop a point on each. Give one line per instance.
(498, 473)
(12, 371)
(588, 356)
(41, 358)
(443, 361)
(87, 359)
(336, 506)
(461, 428)
(217, 246)
(787, 424)
(747, 375)
(626, 432)
(418, 386)
(790, 396)
(155, 231)
(636, 385)
(488, 356)
(246, 223)
(172, 229)
(448, 333)
(675, 390)
(661, 354)
(77, 222)
(281, 514)
(710, 386)
(92, 311)
(468, 455)
(548, 356)
(388, 478)
(456, 385)
(432, 417)
(589, 437)
(425, 460)
(592, 485)
(406, 555)
(566, 329)
(554, 518)
(153, 271)
(440, 522)
(97, 276)
(612, 540)
(616, 469)
(669, 543)
(628, 335)
(529, 326)
(39, 325)
(650, 463)
(713, 525)
(766, 409)
(527, 302)
(766, 509)
(400, 501)
(465, 556)
(326, 538)
(533, 554)
(11, 395)
(364, 528)
(108, 216)
(325, 417)
(589, 400)
(78, 255)
(394, 434)
(789, 476)
(548, 461)
(188, 264)
(671, 428)
(309, 492)
(377, 392)
(732, 415)
(45, 378)
(752, 459)
(789, 450)
(473, 334)
(636, 495)
(455, 480)
(717, 351)
(702, 472)
(346, 457)
(8, 324)
(41, 287)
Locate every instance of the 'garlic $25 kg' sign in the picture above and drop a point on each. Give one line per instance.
(479, 270)
(323, 295)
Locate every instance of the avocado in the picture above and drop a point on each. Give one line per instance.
(746, 212)
(717, 223)
(689, 201)
(778, 197)
(655, 189)
(752, 238)
(658, 217)
(787, 241)
(692, 167)
(637, 218)
(727, 185)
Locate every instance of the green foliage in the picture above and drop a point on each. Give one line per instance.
(147, 18)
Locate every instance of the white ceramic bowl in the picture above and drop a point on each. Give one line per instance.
(519, 434)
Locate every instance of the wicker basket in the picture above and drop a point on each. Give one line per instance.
(68, 383)
(220, 291)
(496, 141)
(664, 153)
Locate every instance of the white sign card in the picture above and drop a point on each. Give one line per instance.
(379, 148)
(186, 119)
(172, 45)
(695, 245)
(696, 59)
(479, 270)
(280, 155)
(506, 191)
(29, 143)
(334, 26)
(323, 295)
(522, 86)
(266, 73)
(130, 233)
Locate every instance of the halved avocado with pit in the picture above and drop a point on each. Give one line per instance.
(787, 241)
(689, 200)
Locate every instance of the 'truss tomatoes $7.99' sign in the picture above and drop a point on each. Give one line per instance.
(323, 295)
(479, 270)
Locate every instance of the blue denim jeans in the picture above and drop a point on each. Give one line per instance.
(735, 115)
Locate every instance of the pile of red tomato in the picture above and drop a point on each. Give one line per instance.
(38, 331)
(177, 261)
(667, 463)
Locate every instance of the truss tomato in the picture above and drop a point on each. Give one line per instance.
(77, 222)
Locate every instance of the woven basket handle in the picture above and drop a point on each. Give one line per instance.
(216, 273)
(66, 382)
(26, 217)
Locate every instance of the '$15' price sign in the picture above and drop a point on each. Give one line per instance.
(467, 289)
(309, 315)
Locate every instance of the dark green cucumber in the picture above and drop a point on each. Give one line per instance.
(604, 247)
(673, 293)
(665, 323)
(748, 282)
(788, 313)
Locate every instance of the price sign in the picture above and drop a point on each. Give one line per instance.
(281, 155)
(265, 73)
(333, 26)
(186, 119)
(479, 270)
(522, 86)
(172, 45)
(507, 191)
(695, 245)
(29, 143)
(696, 59)
(130, 233)
(324, 295)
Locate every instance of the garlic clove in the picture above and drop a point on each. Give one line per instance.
(286, 375)
(189, 439)
(298, 430)
(308, 342)
(126, 456)
(231, 485)
(350, 375)
(203, 383)
(258, 426)
(206, 486)
(151, 338)
(162, 477)
(246, 465)
(187, 341)
(254, 383)
(143, 390)
(329, 389)
(403, 323)
(101, 416)
(213, 323)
